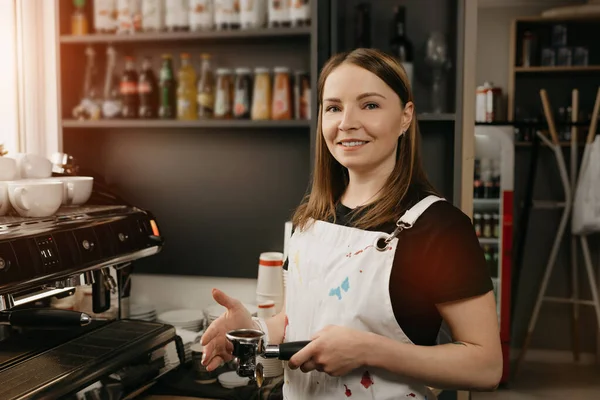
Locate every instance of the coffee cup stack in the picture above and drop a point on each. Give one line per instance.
(269, 285)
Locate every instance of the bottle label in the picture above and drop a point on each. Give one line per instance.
(144, 87)
(127, 88)
(241, 104)
(206, 100)
(201, 14)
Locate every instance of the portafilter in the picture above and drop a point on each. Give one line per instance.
(249, 344)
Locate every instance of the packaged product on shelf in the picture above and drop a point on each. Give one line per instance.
(167, 104)
(487, 226)
(129, 16)
(153, 15)
(253, 13)
(148, 91)
(301, 95)
(261, 95)
(496, 225)
(227, 14)
(186, 91)
(223, 94)
(129, 90)
(105, 12)
(111, 105)
(79, 21)
(282, 95)
(279, 13)
(206, 89)
(201, 15)
(176, 17)
(243, 93)
(300, 12)
(477, 224)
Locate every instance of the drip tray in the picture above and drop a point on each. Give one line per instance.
(83, 352)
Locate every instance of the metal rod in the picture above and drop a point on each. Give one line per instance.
(573, 245)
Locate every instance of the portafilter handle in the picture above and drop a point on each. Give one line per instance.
(40, 318)
(284, 351)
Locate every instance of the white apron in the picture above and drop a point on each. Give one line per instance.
(336, 276)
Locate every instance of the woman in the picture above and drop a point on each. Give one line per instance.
(376, 260)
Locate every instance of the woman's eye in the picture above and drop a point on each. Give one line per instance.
(371, 106)
(332, 108)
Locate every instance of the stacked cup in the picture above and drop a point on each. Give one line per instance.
(270, 279)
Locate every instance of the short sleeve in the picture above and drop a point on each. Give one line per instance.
(457, 262)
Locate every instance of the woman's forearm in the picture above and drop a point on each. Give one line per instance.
(276, 326)
(448, 366)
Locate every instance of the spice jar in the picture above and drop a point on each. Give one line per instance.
(201, 15)
(487, 226)
(300, 12)
(279, 13)
(253, 13)
(223, 94)
(227, 14)
(176, 15)
(301, 95)
(261, 99)
(242, 97)
(477, 224)
(282, 95)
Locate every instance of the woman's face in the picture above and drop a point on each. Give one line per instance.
(362, 119)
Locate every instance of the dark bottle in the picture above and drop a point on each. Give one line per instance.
(401, 46)
(148, 91)
(167, 90)
(129, 91)
(362, 26)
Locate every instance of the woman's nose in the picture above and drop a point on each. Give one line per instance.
(349, 120)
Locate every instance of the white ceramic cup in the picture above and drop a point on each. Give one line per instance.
(36, 199)
(77, 189)
(4, 201)
(8, 169)
(32, 166)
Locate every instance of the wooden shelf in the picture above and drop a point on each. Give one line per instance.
(561, 144)
(587, 68)
(185, 36)
(436, 117)
(159, 123)
(574, 17)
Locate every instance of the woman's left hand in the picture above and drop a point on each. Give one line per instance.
(335, 350)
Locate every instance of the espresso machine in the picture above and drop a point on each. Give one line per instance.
(47, 353)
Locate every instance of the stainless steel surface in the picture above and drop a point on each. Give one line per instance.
(271, 351)
(70, 282)
(85, 319)
(88, 278)
(6, 302)
(38, 295)
(109, 281)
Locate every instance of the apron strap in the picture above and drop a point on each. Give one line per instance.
(407, 220)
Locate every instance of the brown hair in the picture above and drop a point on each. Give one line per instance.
(406, 184)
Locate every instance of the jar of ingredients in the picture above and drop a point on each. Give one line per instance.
(487, 226)
(477, 224)
(153, 15)
(301, 95)
(223, 94)
(206, 89)
(176, 17)
(261, 99)
(282, 95)
(300, 12)
(227, 14)
(129, 16)
(279, 13)
(243, 93)
(79, 21)
(253, 13)
(496, 225)
(104, 16)
(201, 15)
(167, 107)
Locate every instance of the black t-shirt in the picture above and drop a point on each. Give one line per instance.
(438, 260)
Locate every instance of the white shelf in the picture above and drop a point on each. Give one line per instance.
(199, 124)
(494, 241)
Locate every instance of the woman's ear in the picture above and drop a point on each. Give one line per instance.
(407, 116)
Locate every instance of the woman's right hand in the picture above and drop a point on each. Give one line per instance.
(216, 348)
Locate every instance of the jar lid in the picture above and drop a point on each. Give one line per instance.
(486, 216)
(243, 71)
(477, 215)
(223, 71)
(281, 70)
(261, 70)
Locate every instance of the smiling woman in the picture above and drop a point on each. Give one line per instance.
(377, 259)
